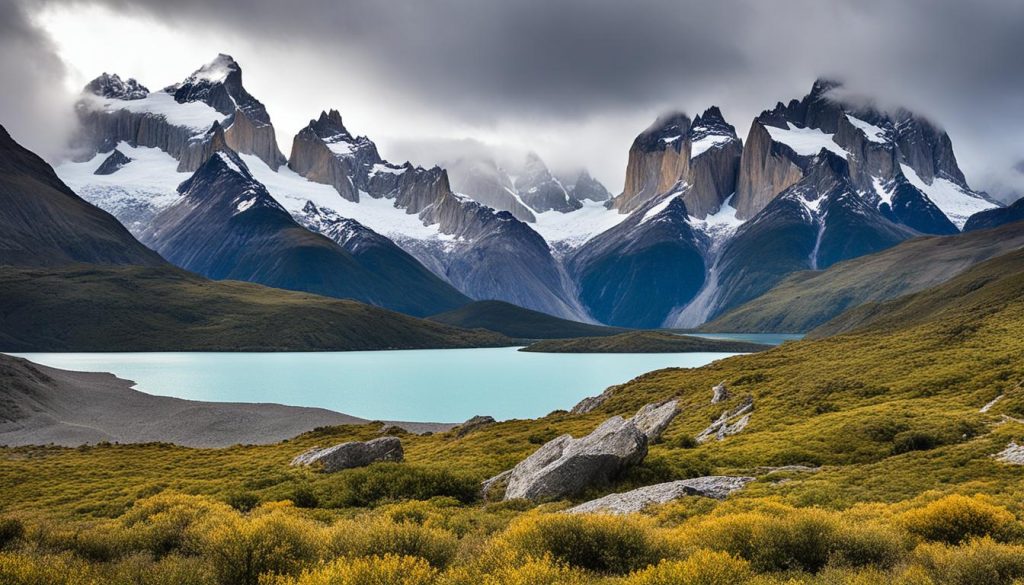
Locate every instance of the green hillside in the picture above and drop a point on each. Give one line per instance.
(641, 342)
(896, 482)
(515, 321)
(806, 300)
(91, 308)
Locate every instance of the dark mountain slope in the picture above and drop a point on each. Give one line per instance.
(43, 222)
(991, 218)
(227, 226)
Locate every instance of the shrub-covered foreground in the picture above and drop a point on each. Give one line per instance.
(182, 539)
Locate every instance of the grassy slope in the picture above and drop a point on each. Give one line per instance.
(806, 300)
(641, 342)
(846, 403)
(88, 308)
(515, 321)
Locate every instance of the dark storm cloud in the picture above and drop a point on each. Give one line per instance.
(33, 107)
(563, 61)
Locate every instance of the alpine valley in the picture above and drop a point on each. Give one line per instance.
(787, 350)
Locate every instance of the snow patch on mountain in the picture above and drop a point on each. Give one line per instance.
(872, 132)
(133, 194)
(196, 116)
(953, 200)
(662, 206)
(573, 229)
(805, 141)
(702, 145)
(292, 191)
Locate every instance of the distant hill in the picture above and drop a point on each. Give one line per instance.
(959, 305)
(642, 342)
(515, 321)
(91, 308)
(806, 300)
(43, 222)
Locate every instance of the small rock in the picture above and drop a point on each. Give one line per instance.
(488, 484)
(1012, 454)
(474, 424)
(715, 486)
(112, 163)
(731, 422)
(354, 454)
(720, 393)
(393, 430)
(992, 403)
(590, 403)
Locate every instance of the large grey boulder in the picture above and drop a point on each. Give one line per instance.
(566, 466)
(354, 454)
(715, 486)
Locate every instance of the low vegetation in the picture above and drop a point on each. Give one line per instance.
(520, 323)
(131, 308)
(896, 482)
(642, 342)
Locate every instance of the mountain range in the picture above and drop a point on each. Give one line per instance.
(705, 222)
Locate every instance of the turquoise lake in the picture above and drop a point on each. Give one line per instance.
(447, 385)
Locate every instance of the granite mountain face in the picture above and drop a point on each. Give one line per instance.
(705, 221)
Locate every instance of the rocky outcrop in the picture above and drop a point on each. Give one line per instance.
(112, 86)
(719, 393)
(541, 191)
(566, 466)
(590, 403)
(474, 424)
(1013, 454)
(715, 486)
(351, 455)
(586, 187)
(731, 421)
(112, 163)
(658, 159)
(177, 119)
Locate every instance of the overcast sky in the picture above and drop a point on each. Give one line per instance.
(574, 80)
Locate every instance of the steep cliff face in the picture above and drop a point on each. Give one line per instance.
(658, 160)
(883, 151)
(715, 153)
(178, 118)
(699, 157)
(815, 223)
